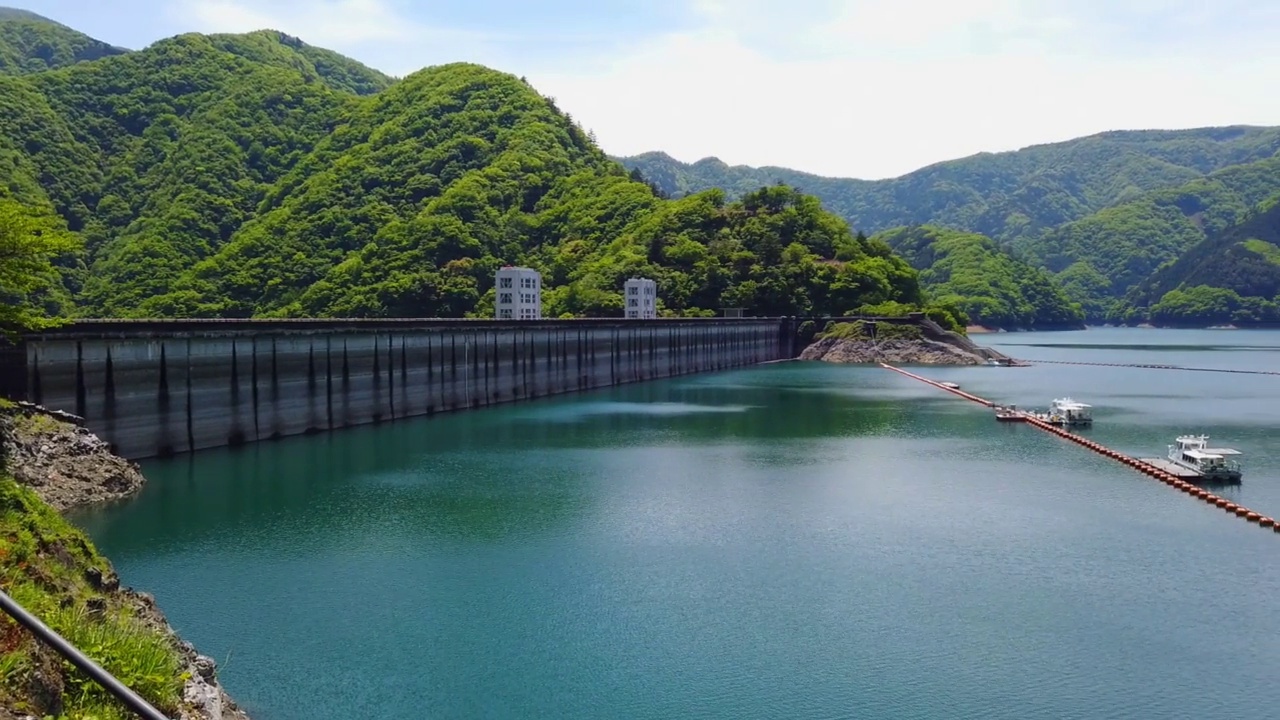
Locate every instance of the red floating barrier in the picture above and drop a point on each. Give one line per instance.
(1157, 473)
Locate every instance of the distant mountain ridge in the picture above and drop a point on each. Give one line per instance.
(33, 43)
(1008, 195)
(1101, 212)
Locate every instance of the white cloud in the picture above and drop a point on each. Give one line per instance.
(877, 88)
(320, 22)
(863, 88)
(377, 32)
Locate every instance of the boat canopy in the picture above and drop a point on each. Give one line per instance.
(1202, 455)
(1199, 443)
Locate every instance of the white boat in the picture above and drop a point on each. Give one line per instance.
(953, 386)
(1067, 412)
(1193, 452)
(1009, 413)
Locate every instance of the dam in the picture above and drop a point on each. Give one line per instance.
(160, 387)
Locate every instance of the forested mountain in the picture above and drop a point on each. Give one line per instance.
(31, 43)
(1231, 276)
(251, 175)
(1101, 212)
(256, 175)
(1006, 196)
(993, 288)
(1101, 257)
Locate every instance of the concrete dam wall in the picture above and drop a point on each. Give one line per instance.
(161, 387)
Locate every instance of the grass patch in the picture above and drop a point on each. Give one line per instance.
(46, 565)
(860, 330)
(37, 424)
(1265, 249)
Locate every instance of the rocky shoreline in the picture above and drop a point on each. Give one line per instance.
(67, 467)
(896, 351)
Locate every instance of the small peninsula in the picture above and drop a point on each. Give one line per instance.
(875, 342)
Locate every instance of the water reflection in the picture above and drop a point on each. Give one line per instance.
(479, 474)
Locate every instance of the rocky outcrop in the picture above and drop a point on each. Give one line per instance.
(202, 696)
(905, 351)
(68, 466)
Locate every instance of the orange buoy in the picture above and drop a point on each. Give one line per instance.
(1149, 470)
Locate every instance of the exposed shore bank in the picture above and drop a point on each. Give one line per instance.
(907, 344)
(52, 465)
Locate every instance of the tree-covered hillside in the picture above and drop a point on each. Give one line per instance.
(1100, 212)
(1231, 276)
(256, 175)
(30, 43)
(1006, 196)
(251, 175)
(1101, 257)
(971, 272)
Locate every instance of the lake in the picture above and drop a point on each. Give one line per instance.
(796, 540)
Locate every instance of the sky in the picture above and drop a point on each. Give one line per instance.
(847, 88)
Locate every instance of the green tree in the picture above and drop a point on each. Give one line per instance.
(970, 278)
(31, 296)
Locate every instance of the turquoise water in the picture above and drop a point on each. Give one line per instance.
(797, 540)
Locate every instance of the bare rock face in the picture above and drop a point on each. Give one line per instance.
(894, 351)
(64, 463)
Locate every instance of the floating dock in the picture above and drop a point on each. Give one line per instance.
(940, 386)
(1144, 466)
(1172, 468)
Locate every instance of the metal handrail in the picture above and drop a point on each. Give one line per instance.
(128, 697)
